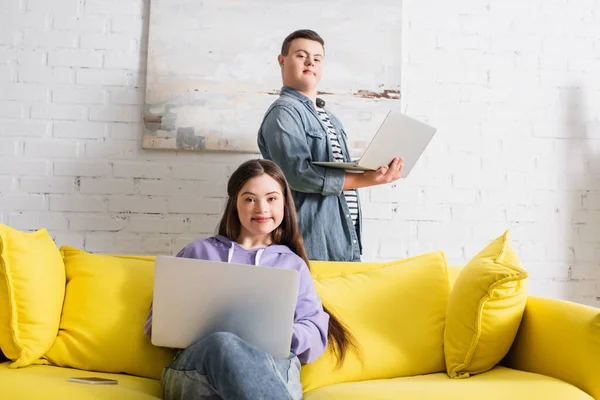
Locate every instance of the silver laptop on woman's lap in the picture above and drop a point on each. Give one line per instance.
(194, 298)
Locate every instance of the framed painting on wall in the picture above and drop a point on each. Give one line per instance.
(212, 68)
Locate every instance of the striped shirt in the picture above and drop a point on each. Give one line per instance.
(338, 156)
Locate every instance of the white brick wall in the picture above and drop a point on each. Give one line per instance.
(512, 87)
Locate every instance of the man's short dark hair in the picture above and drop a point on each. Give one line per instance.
(300, 34)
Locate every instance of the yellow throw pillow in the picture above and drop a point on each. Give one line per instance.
(102, 326)
(395, 311)
(32, 289)
(485, 310)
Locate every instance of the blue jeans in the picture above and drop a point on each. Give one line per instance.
(223, 366)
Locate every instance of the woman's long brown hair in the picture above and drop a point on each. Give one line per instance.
(287, 233)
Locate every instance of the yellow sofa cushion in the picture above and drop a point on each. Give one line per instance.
(484, 310)
(396, 312)
(32, 289)
(102, 326)
(498, 384)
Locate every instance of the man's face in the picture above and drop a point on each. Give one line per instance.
(302, 67)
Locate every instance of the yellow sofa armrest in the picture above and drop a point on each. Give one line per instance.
(559, 339)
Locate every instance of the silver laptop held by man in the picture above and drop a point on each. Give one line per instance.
(398, 136)
(194, 298)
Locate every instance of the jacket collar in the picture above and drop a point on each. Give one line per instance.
(299, 96)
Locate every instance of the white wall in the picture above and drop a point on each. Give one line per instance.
(513, 87)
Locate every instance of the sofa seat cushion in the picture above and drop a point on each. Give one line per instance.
(499, 383)
(49, 382)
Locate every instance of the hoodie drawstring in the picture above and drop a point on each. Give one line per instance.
(256, 258)
(230, 255)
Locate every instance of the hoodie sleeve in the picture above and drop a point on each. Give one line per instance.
(309, 337)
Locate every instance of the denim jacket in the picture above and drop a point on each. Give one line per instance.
(293, 136)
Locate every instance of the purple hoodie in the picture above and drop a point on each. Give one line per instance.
(309, 337)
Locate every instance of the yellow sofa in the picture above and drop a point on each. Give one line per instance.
(544, 364)
(554, 355)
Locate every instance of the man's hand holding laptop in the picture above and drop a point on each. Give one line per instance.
(382, 175)
(398, 135)
(386, 173)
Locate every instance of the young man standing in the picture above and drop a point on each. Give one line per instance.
(296, 131)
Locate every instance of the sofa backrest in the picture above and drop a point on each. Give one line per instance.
(396, 311)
